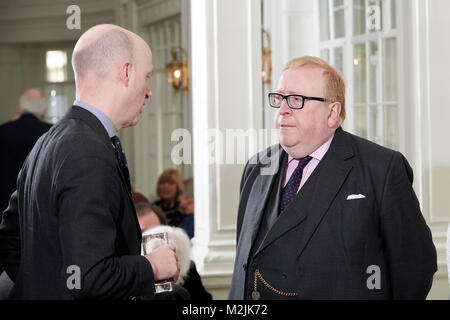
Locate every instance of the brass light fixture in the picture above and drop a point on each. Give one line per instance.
(266, 58)
(178, 70)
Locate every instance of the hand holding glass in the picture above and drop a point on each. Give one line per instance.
(150, 243)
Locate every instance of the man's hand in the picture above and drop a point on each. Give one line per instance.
(164, 263)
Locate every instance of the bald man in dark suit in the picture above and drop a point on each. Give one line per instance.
(79, 234)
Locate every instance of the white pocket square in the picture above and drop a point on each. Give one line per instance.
(355, 196)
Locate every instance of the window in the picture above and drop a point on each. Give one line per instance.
(59, 85)
(333, 32)
(359, 38)
(56, 61)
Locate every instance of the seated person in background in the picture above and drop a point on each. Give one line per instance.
(169, 188)
(186, 200)
(138, 197)
(149, 215)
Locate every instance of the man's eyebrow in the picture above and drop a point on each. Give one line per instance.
(288, 92)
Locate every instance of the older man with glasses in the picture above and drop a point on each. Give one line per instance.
(339, 219)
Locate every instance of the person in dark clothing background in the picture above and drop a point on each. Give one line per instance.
(18, 137)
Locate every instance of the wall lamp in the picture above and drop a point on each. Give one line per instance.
(178, 70)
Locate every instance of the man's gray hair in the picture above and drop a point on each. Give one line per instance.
(98, 55)
(33, 104)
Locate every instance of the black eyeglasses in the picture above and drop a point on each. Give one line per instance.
(294, 101)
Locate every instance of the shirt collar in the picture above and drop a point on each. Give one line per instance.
(106, 122)
(319, 152)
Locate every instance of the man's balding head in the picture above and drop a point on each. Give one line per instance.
(112, 70)
(99, 47)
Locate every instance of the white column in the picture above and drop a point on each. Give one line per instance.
(425, 69)
(226, 94)
(294, 31)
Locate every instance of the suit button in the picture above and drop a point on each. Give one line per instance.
(284, 276)
(244, 266)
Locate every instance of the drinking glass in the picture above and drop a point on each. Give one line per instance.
(151, 242)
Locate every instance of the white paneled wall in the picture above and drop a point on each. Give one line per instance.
(226, 94)
(160, 24)
(23, 66)
(28, 28)
(293, 28)
(430, 118)
(11, 66)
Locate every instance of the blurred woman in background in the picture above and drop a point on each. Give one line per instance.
(170, 189)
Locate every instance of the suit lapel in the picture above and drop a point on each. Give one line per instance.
(258, 198)
(289, 219)
(96, 125)
(122, 177)
(86, 116)
(315, 197)
(334, 169)
(130, 197)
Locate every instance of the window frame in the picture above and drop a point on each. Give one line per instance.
(348, 43)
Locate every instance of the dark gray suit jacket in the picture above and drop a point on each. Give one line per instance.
(74, 209)
(324, 246)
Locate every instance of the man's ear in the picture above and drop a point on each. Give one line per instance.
(334, 117)
(125, 72)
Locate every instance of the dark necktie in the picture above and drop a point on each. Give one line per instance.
(120, 154)
(291, 188)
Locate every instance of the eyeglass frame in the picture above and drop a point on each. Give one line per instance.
(295, 95)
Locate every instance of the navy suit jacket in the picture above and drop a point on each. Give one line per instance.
(75, 217)
(17, 138)
(326, 245)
